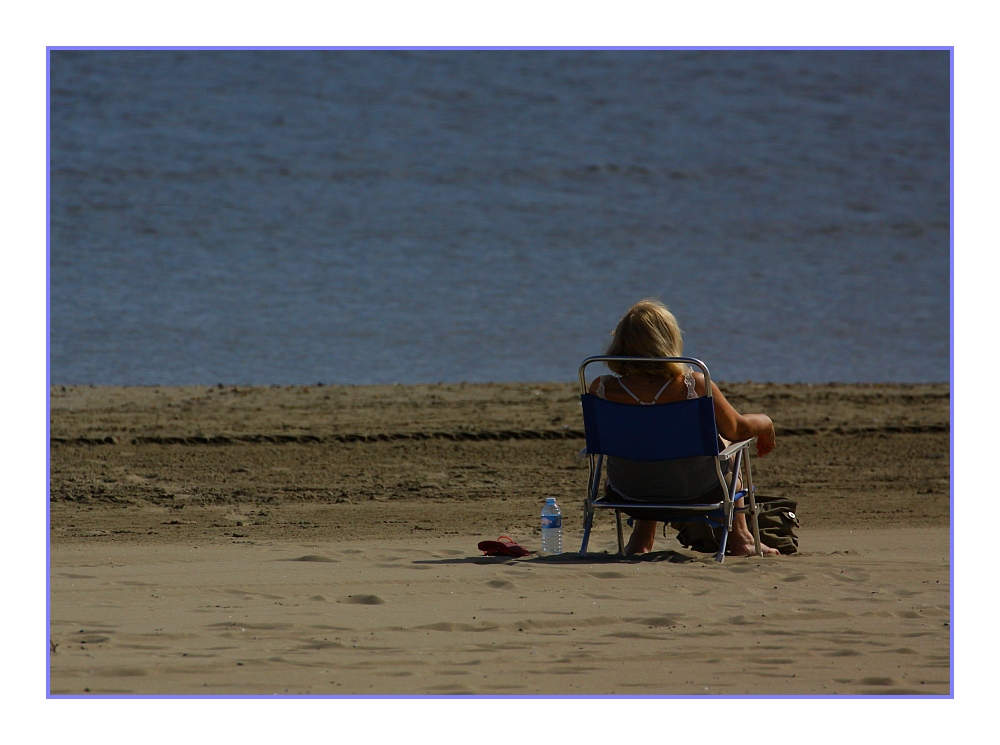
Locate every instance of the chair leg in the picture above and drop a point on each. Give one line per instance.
(754, 526)
(621, 537)
(730, 509)
(588, 521)
(721, 555)
(592, 490)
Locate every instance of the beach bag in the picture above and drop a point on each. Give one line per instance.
(776, 519)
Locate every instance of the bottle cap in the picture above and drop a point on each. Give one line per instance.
(550, 500)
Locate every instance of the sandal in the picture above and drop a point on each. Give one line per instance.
(501, 548)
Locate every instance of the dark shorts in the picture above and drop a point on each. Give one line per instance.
(714, 494)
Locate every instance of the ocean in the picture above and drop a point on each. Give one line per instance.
(363, 217)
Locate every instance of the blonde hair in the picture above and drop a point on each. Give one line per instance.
(648, 329)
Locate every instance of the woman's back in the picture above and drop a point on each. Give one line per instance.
(645, 389)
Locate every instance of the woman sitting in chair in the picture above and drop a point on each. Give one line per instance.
(648, 329)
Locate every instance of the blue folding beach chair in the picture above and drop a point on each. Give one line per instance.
(664, 432)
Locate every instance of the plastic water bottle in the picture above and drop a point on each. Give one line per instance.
(551, 527)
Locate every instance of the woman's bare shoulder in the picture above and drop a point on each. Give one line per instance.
(699, 382)
(597, 382)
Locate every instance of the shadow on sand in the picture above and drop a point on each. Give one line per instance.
(672, 557)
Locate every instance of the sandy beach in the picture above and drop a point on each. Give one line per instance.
(322, 540)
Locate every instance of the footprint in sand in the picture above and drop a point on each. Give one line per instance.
(321, 645)
(364, 600)
(500, 584)
(312, 557)
(90, 639)
(122, 672)
(658, 621)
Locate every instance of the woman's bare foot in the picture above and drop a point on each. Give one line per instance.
(740, 541)
(641, 540)
(742, 545)
(633, 548)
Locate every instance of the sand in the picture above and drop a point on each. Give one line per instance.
(322, 540)
(863, 612)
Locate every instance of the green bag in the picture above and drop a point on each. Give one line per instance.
(776, 519)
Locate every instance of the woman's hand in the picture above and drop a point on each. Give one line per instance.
(765, 439)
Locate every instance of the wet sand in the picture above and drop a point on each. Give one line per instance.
(337, 525)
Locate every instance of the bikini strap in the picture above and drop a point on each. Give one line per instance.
(661, 390)
(625, 388)
(644, 403)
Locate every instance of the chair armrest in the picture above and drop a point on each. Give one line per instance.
(735, 447)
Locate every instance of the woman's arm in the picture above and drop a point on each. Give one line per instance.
(736, 426)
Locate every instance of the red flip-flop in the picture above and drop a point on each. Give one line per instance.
(499, 547)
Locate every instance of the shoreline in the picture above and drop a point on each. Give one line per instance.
(110, 410)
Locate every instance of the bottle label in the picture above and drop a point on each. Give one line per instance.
(551, 521)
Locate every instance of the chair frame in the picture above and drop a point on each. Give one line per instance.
(720, 513)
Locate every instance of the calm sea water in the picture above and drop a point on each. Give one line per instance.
(409, 216)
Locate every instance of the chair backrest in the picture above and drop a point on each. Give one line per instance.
(681, 429)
